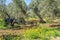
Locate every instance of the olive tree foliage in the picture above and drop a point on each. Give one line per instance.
(45, 8)
(2, 5)
(3, 9)
(34, 6)
(22, 7)
(19, 9)
(50, 8)
(40, 8)
(56, 11)
(13, 11)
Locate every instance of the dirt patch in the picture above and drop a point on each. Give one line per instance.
(11, 32)
(55, 38)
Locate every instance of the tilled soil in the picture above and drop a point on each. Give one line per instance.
(20, 31)
(11, 32)
(55, 38)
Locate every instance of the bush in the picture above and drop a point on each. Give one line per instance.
(12, 37)
(32, 34)
(43, 33)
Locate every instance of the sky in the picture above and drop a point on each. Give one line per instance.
(27, 2)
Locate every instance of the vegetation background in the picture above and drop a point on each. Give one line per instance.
(44, 11)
